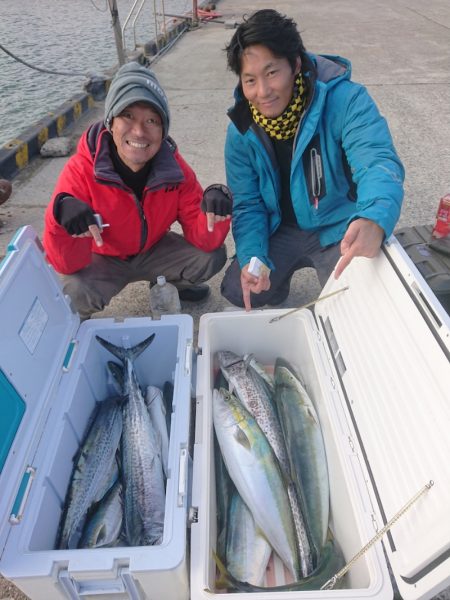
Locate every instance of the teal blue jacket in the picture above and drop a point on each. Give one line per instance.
(344, 164)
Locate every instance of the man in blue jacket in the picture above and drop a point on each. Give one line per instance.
(310, 162)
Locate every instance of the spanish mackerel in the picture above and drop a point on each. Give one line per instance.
(144, 494)
(93, 465)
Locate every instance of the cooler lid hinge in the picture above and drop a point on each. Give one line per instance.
(334, 347)
(193, 515)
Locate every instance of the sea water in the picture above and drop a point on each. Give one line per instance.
(64, 36)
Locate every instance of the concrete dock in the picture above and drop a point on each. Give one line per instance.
(399, 49)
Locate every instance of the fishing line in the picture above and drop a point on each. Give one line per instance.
(65, 73)
(329, 585)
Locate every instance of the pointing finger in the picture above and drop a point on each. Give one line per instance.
(246, 298)
(344, 261)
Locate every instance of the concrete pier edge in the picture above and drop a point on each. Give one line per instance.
(18, 152)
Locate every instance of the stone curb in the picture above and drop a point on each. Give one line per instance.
(17, 153)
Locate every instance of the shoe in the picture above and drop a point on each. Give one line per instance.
(194, 293)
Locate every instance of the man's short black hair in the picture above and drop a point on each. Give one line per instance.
(268, 28)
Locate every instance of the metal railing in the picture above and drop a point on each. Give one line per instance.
(131, 20)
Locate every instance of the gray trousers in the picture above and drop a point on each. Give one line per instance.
(290, 249)
(184, 265)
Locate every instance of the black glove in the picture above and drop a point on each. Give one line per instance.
(73, 214)
(217, 199)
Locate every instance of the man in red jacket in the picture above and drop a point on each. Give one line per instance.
(131, 174)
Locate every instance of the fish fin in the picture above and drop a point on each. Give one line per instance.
(117, 351)
(313, 416)
(241, 438)
(135, 351)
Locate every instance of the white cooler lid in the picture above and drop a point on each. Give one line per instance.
(37, 325)
(388, 339)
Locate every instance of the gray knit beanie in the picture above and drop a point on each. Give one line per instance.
(135, 83)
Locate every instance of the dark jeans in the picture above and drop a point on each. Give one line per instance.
(184, 265)
(290, 249)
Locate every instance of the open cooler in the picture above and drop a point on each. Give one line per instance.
(375, 361)
(52, 372)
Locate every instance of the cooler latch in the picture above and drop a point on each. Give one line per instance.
(122, 584)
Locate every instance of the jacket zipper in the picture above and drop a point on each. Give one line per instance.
(316, 176)
(144, 225)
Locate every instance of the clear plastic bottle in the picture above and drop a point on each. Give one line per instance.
(164, 298)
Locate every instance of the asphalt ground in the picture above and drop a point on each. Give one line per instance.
(399, 49)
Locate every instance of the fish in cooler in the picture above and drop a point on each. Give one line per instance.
(155, 404)
(93, 466)
(144, 488)
(247, 549)
(104, 526)
(247, 380)
(117, 489)
(307, 455)
(255, 471)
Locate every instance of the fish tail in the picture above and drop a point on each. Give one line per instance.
(224, 580)
(124, 353)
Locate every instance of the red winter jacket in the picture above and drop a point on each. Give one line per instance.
(172, 193)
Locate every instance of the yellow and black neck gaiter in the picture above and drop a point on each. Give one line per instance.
(284, 126)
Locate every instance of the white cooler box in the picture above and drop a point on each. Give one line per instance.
(375, 359)
(52, 371)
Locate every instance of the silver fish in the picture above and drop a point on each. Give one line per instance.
(253, 391)
(92, 471)
(247, 550)
(144, 493)
(155, 405)
(255, 471)
(307, 453)
(103, 527)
